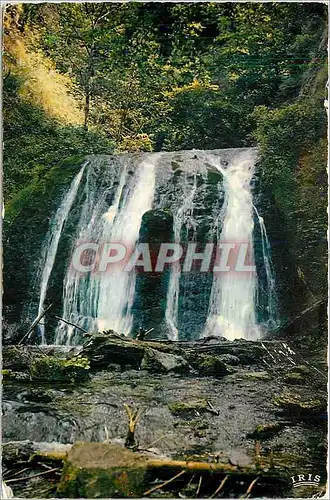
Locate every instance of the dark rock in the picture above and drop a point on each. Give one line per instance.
(229, 359)
(17, 451)
(160, 362)
(105, 350)
(209, 366)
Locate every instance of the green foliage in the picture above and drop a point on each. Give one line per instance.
(172, 76)
(34, 143)
(283, 135)
(136, 65)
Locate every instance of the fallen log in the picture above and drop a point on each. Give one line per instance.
(95, 469)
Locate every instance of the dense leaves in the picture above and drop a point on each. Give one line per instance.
(161, 76)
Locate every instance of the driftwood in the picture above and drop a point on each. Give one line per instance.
(35, 322)
(159, 486)
(223, 482)
(155, 463)
(133, 416)
(142, 334)
(25, 478)
(69, 323)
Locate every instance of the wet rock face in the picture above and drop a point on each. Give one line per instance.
(25, 227)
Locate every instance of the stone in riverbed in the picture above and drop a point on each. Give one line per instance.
(104, 350)
(209, 366)
(161, 362)
(301, 405)
(103, 470)
(266, 431)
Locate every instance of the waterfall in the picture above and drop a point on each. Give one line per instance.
(51, 244)
(208, 195)
(232, 301)
(180, 217)
(270, 276)
(104, 300)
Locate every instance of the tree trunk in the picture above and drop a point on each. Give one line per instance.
(86, 110)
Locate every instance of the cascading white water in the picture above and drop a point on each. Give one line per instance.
(104, 301)
(232, 301)
(117, 288)
(180, 217)
(51, 244)
(270, 276)
(81, 291)
(116, 193)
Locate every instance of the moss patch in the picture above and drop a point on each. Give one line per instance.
(51, 368)
(208, 365)
(102, 470)
(300, 406)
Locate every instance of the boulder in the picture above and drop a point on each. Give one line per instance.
(104, 350)
(103, 470)
(161, 362)
(229, 359)
(209, 366)
(266, 431)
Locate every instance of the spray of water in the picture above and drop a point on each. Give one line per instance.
(270, 275)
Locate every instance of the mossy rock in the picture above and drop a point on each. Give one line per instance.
(209, 366)
(300, 405)
(15, 358)
(266, 431)
(294, 378)
(53, 369)
(102, 470)
(188, 408)
(298, 375)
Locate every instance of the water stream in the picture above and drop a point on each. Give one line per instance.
(232, 300)
(51, 244)
(103, 300)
